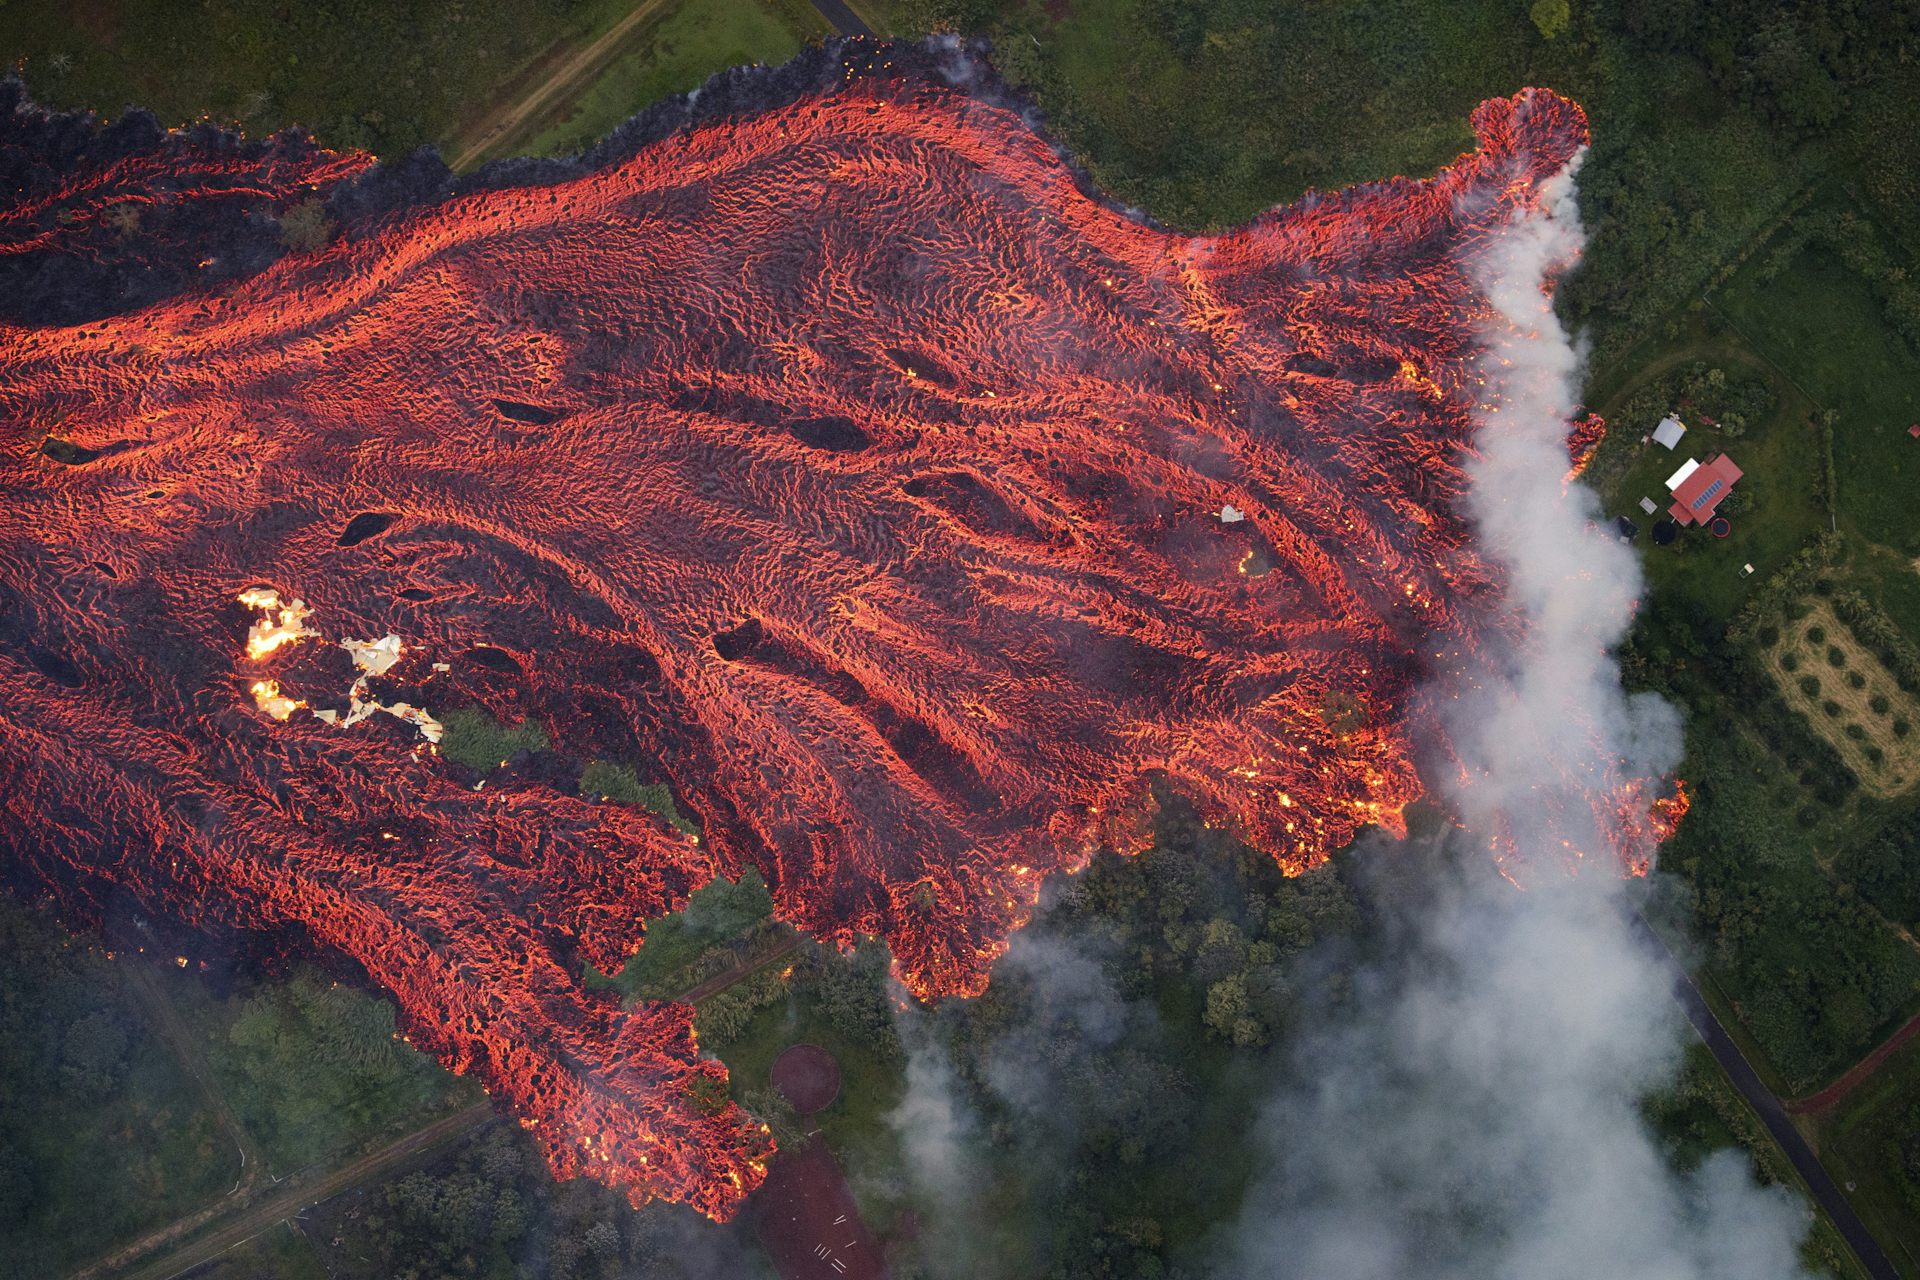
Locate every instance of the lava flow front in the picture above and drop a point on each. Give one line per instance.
(831, 453)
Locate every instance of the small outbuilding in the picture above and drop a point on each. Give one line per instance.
(1646, 505)
(1668, 433)
(1626, 528)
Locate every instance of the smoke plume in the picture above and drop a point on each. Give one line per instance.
(1475, 1113)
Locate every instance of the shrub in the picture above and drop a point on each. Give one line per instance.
(1855, 732)
(1831, 707)
(1790, 661)
(1875, 754)
(1816, 635)
(1835, 658)
(1769, 636)
(1855, 680)
(1900, 727)
(1879, 703)
(1810, 685)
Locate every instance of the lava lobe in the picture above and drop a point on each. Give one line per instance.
(827, 450)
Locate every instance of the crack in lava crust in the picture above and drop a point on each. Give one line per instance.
(844, 460)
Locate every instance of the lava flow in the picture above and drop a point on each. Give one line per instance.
(830, 452)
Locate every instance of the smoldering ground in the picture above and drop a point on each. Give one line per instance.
(1466, 1103)
(1480, 1117)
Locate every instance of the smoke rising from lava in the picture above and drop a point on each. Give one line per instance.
(1474, 1114)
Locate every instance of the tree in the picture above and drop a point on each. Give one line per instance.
(305, 227)
(1551, 17)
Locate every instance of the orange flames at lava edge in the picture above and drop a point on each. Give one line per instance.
(606, 1092)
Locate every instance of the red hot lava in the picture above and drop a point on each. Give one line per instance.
(841, 460)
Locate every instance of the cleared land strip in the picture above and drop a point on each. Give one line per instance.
(500, 126)
(296, 1195)
(1829, 1097)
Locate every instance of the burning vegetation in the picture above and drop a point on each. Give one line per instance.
(835, 452)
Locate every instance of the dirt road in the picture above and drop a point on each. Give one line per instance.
(501, 126)
(299, 1193)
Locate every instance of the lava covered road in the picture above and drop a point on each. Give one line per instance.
(820, 445)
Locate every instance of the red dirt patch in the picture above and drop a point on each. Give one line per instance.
(808, 1077)
(808, 1223)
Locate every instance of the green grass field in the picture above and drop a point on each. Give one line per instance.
(1698, 571)
(1821, 324)
(692, 40)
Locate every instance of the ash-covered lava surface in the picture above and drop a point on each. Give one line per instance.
(822, 444)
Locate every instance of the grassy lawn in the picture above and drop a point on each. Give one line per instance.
(1698, 571)
(315, 1070)
(1859, 1143)
(691, 40)
(1822, 324)
(102, 1134)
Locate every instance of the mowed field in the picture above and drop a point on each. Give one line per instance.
(1849, 698)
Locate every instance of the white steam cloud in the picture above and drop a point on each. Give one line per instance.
(1474, 1113)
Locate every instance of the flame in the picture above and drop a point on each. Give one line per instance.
(840, 457)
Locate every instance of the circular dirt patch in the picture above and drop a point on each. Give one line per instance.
(807, 1076)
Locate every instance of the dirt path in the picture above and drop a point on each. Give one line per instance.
(721, 981)
(1830, 1097)
(186, 1047)
(252, 1213)
(166, 1020)
(505, 123)
(300, 1193)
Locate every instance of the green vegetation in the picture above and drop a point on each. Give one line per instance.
(102, 1134)
(386, 77)
(1871, 1143)
(315, 1070)
(724, 923)
(611, 781)
(282, 1254)
(488, 1210)
(1699, 1113)
(1112, 1154)
(475, 739)
(689, 42)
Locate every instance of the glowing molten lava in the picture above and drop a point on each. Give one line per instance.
(839, 459)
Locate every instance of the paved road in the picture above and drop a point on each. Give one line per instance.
(841, 18)
(1771, 1113)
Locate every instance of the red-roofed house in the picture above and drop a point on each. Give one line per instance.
(1701, 491)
